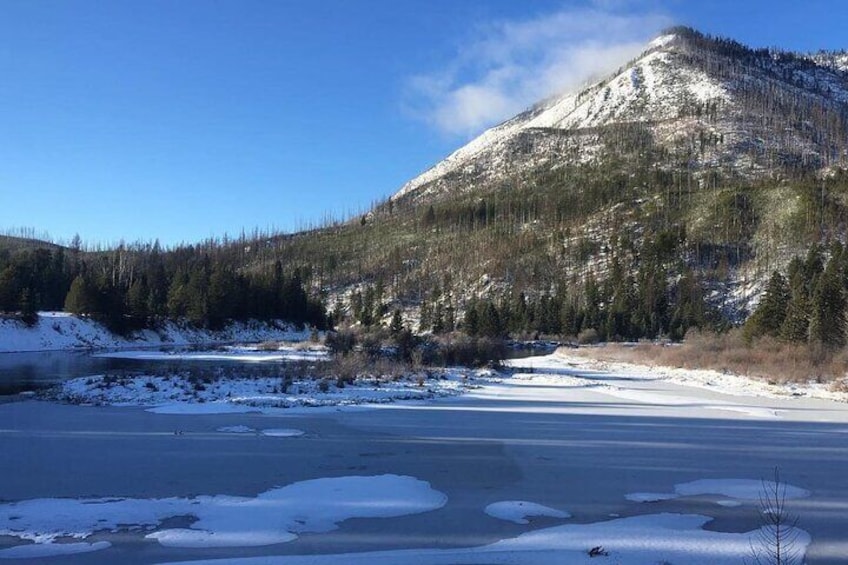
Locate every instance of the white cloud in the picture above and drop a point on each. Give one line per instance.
(509, 65)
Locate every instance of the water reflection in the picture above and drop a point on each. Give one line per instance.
(33, 371)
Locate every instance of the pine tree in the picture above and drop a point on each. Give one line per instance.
(396, 325)
(137, 300)
(471, 324)
(797, 320)
(29, 311)
(827, 319)
(768, 318)
(81, 297)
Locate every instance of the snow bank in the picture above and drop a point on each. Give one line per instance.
(275, 516)
(59, 331)
(726, 383)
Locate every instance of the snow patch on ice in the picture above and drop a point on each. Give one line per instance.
(518, 511)
(236, 429)
(39, 550)
(737, 490)
(282, 432)
(650, 496)
(274, 516)
(740, 489)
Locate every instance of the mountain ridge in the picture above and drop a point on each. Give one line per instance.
(680, 75)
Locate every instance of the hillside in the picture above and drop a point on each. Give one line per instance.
(701, 157)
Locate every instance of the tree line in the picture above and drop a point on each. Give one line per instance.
(137, 286)
(623, 305)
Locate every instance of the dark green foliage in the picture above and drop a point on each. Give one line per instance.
(484, 319)
(796, 323)
(622, 307)
(827, 308)
(29, 314)
(81, 297)
(462, 350)
(809, 304)
(396, 325)
(771, 312)
(129, 288)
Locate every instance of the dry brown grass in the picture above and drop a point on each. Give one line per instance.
(769, 359)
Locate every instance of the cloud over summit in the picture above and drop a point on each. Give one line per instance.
(508, 65)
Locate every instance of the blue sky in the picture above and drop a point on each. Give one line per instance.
(189, 119)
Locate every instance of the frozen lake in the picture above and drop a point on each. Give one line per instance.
(561, 440)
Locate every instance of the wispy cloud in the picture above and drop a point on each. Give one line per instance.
(509, 65)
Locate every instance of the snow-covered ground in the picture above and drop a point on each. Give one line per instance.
(60, 331)
(707, 379)
(179, 394)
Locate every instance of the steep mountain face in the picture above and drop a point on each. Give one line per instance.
(707, 105)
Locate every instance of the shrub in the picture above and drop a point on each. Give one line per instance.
(459, 349)
(588, 336)
(341, 342)
(768, 358)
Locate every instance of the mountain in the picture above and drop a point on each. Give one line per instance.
(659, 198)
(710, 104)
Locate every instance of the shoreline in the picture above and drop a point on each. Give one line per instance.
(58, 331)
(707, 379)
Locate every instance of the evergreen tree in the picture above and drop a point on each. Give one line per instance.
(396, 325)
(827, 319)
(471, 323)
(797, 320)
(81, 297)
(138, 300)
(29, 313)
(768, 318)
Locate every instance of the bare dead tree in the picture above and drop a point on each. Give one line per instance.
(777, 540)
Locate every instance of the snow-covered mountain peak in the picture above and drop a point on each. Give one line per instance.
(662, 40)
(682, 83)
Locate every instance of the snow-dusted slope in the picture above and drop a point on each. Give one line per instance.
(684, 88)
(57, 331)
